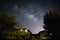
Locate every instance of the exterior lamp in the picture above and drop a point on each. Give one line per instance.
(26, 30)
(21, 30)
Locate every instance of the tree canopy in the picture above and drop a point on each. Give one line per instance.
(7, 21)
(52, 23)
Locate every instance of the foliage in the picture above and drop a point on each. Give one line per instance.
(16, 34)
(52, 23)
(33, 38)
(7, 22)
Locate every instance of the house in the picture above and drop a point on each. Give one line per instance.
(44, 35)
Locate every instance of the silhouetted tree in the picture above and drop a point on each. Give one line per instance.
(52, 23)
(7, 22)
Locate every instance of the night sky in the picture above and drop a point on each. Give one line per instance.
(29, 12)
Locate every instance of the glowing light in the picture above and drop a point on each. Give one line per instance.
(21, 29)
(26, 30)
